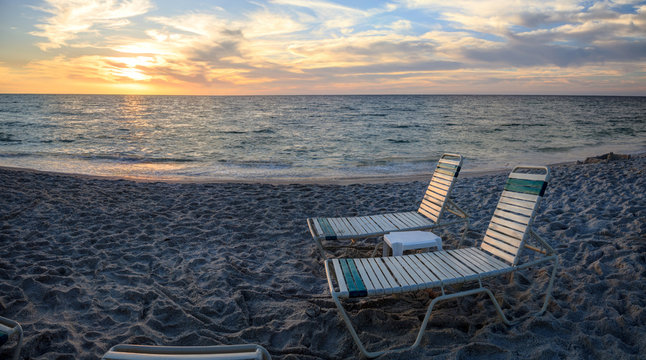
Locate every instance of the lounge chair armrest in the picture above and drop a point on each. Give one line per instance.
(454, 209)
(533, 248)
(543, 242)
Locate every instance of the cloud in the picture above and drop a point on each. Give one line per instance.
(541, 33)
(72, 17)
(298, 44)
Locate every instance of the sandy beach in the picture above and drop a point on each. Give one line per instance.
(89, 263)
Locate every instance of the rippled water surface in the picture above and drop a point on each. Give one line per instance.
(192, 137)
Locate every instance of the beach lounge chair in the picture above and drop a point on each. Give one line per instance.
(8, 330)
(429, 215)
(508, 233)
(219, 352)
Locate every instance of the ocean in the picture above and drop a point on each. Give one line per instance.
(201, 138)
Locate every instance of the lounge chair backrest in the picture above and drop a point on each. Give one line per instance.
(447, 170)
(515, 212)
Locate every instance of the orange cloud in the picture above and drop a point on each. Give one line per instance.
(298, 46)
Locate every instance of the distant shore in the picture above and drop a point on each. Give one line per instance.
(89, 262)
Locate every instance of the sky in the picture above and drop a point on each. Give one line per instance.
(200, 47)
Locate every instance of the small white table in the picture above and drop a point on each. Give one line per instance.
(410, 240)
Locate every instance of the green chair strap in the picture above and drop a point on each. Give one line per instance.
(534, 187)
(356, 287)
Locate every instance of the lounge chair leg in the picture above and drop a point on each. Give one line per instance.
(464, 232)
(498, 308)
(16, 352)
(353, 333)
(422, 329)
(374, 354)
(374, 252)
(321, 249)
(548, 292)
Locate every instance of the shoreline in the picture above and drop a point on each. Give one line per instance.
(377, 179)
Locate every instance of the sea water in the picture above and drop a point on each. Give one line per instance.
(273, 137)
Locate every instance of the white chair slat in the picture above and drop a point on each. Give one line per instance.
(406, 220)
(410, 271)
(364, 224)
(501, 245)
(339, 227)
(356, 225)
(429, 200)
(421, 273)
(520, 196)
(521, 210)
(457, 265)
(452, 162)
(421, 264)
(510, 224)
(333, 225)
(419, 219)
(340, 279)
(440, 185)
(523, 219)
(437, 190)
(481, 263)
(524, 176)
(431, 216)
(442, 176)
(518, 202)
(438, 267)
(369, 224)
(449, 265)
(376, 282)
(438, 199)
(383, 223)
(396, 221)
(366, 278)
(317, 227)
(443, 272)
(383, 274)
(497, 252)
(513, 241)
(399, 274)
(430, 207)
(507, 231)
(488, 258)
(351, 227)
(474, 262)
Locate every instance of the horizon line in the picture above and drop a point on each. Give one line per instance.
(331, 94)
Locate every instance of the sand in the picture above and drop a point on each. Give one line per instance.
(89, 263)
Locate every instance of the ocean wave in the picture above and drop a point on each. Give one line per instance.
(267, 164)
(553, 149)
(98, 157)
(132, 158)
(8, 138)
(264, 131)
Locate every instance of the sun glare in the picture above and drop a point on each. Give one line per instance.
(131, 67)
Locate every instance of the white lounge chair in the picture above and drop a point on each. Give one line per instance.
(10, 329)
(219, 352)
(509, 232)
(435, 203)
